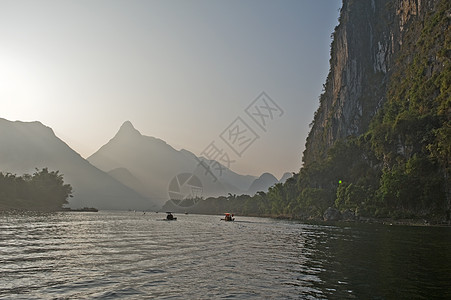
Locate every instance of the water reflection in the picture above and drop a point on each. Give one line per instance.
(122, 254)
(382, 262)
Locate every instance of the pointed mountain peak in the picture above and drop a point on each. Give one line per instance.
(127, 129)
(128, 125)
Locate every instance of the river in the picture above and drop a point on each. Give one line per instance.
(132, 255)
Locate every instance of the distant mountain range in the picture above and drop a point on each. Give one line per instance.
(131, 171)
(148, 165)
(25, 146)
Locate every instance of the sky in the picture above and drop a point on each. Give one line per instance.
(190, 72)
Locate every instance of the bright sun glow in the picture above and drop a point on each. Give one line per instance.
(20, 90)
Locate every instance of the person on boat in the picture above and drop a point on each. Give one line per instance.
(170, 216)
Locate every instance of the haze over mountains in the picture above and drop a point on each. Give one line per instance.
(148, 165)
(131, 171)
(25, 146)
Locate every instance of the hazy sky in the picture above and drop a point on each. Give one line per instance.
(182, 71)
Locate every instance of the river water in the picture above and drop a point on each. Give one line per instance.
(128, 255)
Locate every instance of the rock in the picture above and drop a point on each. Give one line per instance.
(348, 215)
(332, 214)
(367, 42)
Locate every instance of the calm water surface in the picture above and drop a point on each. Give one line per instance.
(113, 255)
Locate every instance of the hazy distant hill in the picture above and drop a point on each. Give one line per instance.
(265, 181)
(154, 163)
(285, 176)
(262, 183)
(25, 146)
(128, 179)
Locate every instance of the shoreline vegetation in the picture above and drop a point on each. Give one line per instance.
(12, 211)
(83, 209)
(44, 190)
(267, 205)
(363, 220)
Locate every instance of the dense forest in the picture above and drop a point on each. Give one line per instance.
(399, 167)
(44, 190)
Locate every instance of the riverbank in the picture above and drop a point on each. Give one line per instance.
(357, 220)
(83, 209)
(10, 210)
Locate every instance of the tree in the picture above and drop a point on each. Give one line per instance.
(43, 190)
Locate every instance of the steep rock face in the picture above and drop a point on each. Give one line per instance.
(364, 52)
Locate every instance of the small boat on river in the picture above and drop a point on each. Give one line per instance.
(228, 217)
(170, 216)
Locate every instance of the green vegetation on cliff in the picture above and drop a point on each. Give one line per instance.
(43, 190)
(399, 166)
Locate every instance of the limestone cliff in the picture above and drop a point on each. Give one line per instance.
(373, 40)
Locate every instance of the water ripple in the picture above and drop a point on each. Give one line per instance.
(123, 255)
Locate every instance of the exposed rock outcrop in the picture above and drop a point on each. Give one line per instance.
(332, 214)
(364, 52)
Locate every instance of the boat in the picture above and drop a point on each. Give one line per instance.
(170, 216)
(228, 217)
